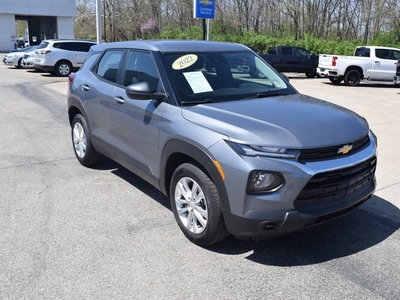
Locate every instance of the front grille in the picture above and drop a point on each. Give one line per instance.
(26, 56)
(335, 185)
(317, 154)
(398, 68)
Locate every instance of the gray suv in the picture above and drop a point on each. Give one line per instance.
(236, 154)
(61, 57)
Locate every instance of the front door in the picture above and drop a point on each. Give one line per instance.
(137, 122)
(384, 65)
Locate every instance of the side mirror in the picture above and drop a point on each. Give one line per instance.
(142, 91)
(284, 77)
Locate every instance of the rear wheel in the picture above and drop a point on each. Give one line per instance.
(83, 148)
(196, 205)
(352, 77)
(335, 80)
(312, 74)
(63, 68)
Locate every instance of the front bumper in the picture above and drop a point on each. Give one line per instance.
(11, 61)
(396, 79)
(28, 63)
(257, 225)
(297, 205)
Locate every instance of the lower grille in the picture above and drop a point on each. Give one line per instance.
(335, 185)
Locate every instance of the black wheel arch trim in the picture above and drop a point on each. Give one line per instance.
(176, 152)
(73, 106)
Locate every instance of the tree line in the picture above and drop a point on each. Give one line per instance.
(316, 24)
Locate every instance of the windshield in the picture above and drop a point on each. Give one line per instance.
(222, 76)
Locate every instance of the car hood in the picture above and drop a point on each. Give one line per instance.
(295, 121)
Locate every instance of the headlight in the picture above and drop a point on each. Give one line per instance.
(264, 182)
(375, 138)
(255, 150)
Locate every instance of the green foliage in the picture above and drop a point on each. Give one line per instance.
(263, 42)
(385, 38)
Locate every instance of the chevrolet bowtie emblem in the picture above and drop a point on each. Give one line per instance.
(345, 149)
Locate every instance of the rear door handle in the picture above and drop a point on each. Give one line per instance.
(85, 87)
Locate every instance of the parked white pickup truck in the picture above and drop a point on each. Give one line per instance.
(368, 62)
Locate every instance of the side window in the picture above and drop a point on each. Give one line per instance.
(140, 67)
(302, 52)
(82, 47)
(364, 52)
(64, 45)
(382, 53)
(272, 50)
(395, 54)
(108, 65)
(286, 50)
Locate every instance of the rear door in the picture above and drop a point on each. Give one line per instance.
(287, 61)
(96, 91)
(80, 49)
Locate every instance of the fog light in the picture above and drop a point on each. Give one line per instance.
(264, 182)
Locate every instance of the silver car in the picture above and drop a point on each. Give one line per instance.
(15, 58)
(236, 154)
(61, 57)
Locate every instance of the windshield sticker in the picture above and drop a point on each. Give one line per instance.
(184, 61)
(197, 82)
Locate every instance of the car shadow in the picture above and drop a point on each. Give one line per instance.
(359, 230)
(356, 232)
(31, 70)
(134, 180)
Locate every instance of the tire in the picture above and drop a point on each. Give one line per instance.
(83, 148)
(335, 80)
(63, 68)
(352, 77)
(19, 64)
(312, 74)
(199, 216)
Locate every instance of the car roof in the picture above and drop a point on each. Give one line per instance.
(66, 40)
(172, 45)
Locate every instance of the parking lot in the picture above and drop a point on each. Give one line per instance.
(69, 232)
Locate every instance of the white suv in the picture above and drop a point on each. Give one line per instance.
(61, 57)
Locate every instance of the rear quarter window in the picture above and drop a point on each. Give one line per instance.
(43, 45)
(364, 52)
(82, 47)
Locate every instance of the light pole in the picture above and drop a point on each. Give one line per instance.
(98, 21)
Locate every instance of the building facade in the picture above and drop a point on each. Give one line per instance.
(46, 19)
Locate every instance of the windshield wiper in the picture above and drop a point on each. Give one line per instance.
(267, 94)
(197, 102)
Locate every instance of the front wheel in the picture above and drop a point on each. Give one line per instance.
(311, 74)
(84, 150)
(197, 206)
(352, 77)
(19, 64)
